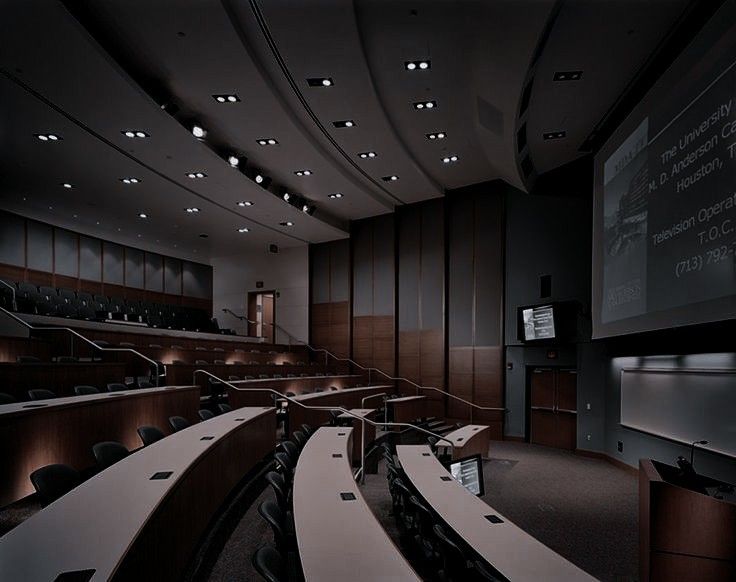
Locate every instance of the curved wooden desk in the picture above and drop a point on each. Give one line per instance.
(127, 524)
(339, 539)
(513, 552)
(63, 430)
(237, 398)
(407, 408)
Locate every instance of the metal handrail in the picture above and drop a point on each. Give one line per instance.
(367, 369)
(362, 419)
(385, 408)
(9, 286)
(157, 366)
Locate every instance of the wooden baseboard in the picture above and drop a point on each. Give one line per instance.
(606, 457)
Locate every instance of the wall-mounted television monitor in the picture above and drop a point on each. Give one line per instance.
(468, 471)
(552, 323)
(539, 322)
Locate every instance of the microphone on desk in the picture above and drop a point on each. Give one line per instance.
(692, 449)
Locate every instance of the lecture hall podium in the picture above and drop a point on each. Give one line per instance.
(684, 534)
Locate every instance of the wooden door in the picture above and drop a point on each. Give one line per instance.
(553, 408)
(267, 309)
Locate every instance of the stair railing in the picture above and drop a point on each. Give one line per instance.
(369, 369)
(158, 367)
(362, 419)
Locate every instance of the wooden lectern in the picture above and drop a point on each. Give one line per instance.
(687, 526)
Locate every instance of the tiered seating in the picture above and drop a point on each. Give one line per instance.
(81, 305)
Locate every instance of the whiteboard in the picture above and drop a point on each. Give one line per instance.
(683, 405)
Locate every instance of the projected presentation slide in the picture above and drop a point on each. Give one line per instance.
(665, 235)
(539, 323)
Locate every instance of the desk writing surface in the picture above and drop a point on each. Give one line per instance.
(335, 393)
(362, 412)
(405, 399)
(29, 407)
(293, 378)
(339, 541)
(93, 526)
(462, 435)
(513, 552)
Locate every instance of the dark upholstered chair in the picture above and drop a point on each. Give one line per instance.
(53, 481)
(150, 434)
(107, 453)
(178, 423)
(116, 387)
(40, 394)
(270, 564)
(85, 390)
(205, 414)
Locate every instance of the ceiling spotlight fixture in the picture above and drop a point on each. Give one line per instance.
(48, 136)
(554, 135)
(192, 210)
(133, 133)
(243, 203)
(391, 178)
(198, 131)
(244, 229)
(226, 98)
(320, 82)
(194, 175)
(303, 173)
(286, 196)
(418, 65)
(568, 76)
(436, 135)
(425, 105)
(142, 215)
(233, 160)
(264, 141)
(287, 223)
(68, 185)
(366, 155)
(336, 195)
(449, 159)
(345, 123)
(130, 180)
(258, 179)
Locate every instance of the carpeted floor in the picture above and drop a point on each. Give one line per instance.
(585, 509)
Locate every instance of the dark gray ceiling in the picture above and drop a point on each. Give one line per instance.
(84, 69)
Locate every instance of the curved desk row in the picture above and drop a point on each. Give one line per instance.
(61, 377)
(142, 518)
(472, 439)
(509, 549)
(338, 536)
(63, 430)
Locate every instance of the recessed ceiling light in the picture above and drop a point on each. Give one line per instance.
(258, 179)
(198, 131)
(425, 105)
(48, 136)
(130, 180)
(192, 210)
(286, 196)
(194, 175)
(336, 195)
(133, 133)
(68, 185)
(233, 160)
(554, 135)
(226, 98)
(449, 159)
(366, 155)
(422, 65)
(303, 173)
(245, 203)
(142, 215)
(568, 76)
(320, 82)
(244, 229)
(436, 135)
(287, 223)
(344, 123)
(391, 178)
(264, 141)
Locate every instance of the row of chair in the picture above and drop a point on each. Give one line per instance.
(53, 481)
(81, 390)
(275, 561)
(426, 536)
(62, 302)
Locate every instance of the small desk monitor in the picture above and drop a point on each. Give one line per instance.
(468, 471)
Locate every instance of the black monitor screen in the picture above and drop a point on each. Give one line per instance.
(468, 471)
(539, 322)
